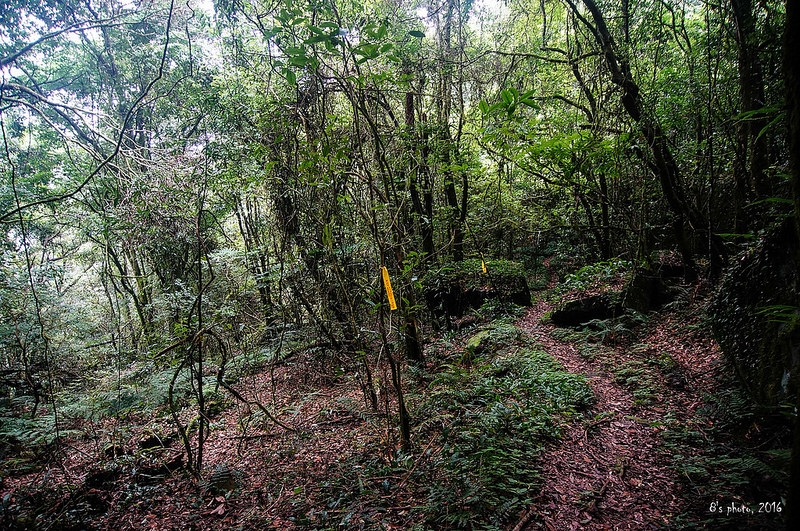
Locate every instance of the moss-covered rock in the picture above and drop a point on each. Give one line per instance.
(647, 290)
(580, 311)
(457, 287)
(756, 320)
(494, 337)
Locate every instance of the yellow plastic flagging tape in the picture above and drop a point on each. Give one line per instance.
(483, 266)
(388, 284)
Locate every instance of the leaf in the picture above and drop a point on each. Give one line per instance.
(773, 122)
(291, 78)
(778, 200)
(728, 235)
(483, 106)
(757, 113)
(220, 510)
(417, 34)
(506, 96)
(299, 60)
(317, 38)
(495, 106)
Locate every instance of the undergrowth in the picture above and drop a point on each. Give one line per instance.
(496, 417)
(731, 456)
(738, 459)
(595, 275)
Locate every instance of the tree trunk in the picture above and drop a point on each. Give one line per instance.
(751, 160)
(662, 162)
(791, 73)
(421, 204)
(456, 215)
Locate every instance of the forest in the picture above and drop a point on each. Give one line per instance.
(399, 264)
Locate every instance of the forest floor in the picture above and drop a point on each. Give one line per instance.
(668, 442)
(611, 471)
(664, 444)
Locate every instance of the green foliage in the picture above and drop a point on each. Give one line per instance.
(602, 331)
(642, 382)
(254, 190)
(32, 434)
(595, 275)
(743, 455)
(498, 419)
(499, 309)
(27, 432)
(469, 273)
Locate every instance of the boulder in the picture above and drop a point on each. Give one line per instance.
(649, 290)
(455, 288)
(580, 311)
(756, 320)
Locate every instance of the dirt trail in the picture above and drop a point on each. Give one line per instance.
(610, 471)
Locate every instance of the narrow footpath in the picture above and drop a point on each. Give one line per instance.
(610, 470)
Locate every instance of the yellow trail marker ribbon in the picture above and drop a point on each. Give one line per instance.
(388, 284)
(483, 266)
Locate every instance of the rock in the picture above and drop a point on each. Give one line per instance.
(755, 317)
(581, 311)
(156, 470)
(101, 478)
(223, 480)
(455, 288)
(647, 290)
(493, 337)
(115, 450)
(153, 440)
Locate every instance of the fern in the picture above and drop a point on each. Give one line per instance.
(496, 420)
(31, 433)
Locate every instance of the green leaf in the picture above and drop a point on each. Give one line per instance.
(299, 60)
(495, 106)
(506, 96)
(291, 78)
(317, 38)
(417, 34)
(732, 235)
(778, 200)
(757, 113)
(773, 122)
(483, 106)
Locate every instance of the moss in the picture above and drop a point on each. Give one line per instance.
(456, 287)
(476, 343)
(497, 336)
(754, 317)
